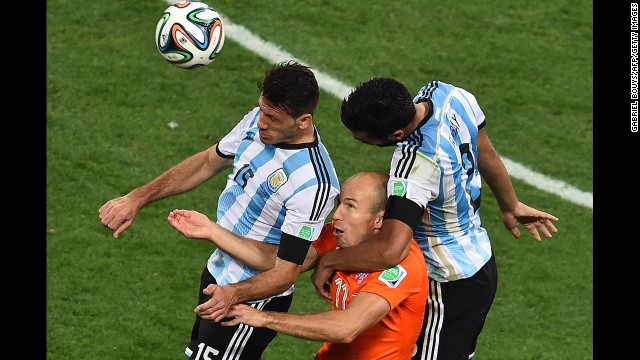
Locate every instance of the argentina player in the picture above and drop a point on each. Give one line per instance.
(441, 151)
(280, 191)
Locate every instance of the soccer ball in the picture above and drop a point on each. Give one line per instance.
(190, 34)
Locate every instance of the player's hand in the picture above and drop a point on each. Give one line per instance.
(216, 308)
(118, 214)
(191, 224)
(535, 221)
(244, 314)
(320, 278)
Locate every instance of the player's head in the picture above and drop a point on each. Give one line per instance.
(360, 211)
(376, 109)
(289, 95)
(291, 86)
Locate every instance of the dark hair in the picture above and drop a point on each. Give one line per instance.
(378, 107)
(291, 86)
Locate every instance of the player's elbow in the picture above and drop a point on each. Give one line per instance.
(346, 334)
(393, 242)
(391, 258)
(393, 255)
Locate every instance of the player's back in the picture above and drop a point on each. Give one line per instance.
(452, 238)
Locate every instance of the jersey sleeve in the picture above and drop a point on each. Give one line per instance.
(326, 241)
(228, 145)
(472, 107)
(308, 211)
(414, 176)
(399, 282)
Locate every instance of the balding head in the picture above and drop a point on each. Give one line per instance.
(363, 198)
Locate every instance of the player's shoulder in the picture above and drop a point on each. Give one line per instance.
(250, 119)
(326, 241)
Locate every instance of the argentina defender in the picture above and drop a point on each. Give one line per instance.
(281, 188)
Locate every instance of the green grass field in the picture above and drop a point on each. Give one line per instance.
(110, 97)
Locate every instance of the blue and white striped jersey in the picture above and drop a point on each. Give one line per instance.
(272, 189)
(437, 167)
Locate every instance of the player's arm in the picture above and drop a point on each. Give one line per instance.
(184, 176)
(495, 173)
(259, 255)
(195, 225)
(408, 195)
(343, 326)
(291, 255)
(380, 251)
(288, 265)
(311, 259)
(513, 212)
(391, 244)
(118, 214)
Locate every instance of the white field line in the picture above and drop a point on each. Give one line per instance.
(275, 54)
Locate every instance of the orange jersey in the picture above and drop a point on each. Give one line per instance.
(405, 287)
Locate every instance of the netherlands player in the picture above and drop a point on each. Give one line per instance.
(280, 191)
(374, 316)
(441, 151)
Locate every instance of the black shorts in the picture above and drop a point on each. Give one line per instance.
(454, 315)
(210, 340)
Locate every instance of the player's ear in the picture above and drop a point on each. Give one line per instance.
(396, 136)
(304, 121)
(377, 223)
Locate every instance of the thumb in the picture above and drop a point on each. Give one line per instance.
(324, 293)
(209, 290)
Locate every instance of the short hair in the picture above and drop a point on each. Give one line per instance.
(291, 86)
(380, 180)
(378, 107)
(379, 202)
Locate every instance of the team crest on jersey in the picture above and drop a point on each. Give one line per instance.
(399, 188)
(393, 276)
(276, 179)
(360, 277)
(305, 232)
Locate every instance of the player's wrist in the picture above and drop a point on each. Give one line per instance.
(212, 232)
(232, 293)
(136, 198)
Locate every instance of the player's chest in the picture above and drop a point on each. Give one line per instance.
(345, 287)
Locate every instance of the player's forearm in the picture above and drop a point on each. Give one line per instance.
(266, 284)
(261, 256)
(494, 173)
(180, 178)
(381, 251)
(497, 177)
(327, 326)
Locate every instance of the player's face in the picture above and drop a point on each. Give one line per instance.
(353, 219)
(276, 126)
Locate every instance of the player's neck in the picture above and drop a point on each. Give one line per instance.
(422, 110)
(304, 137)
